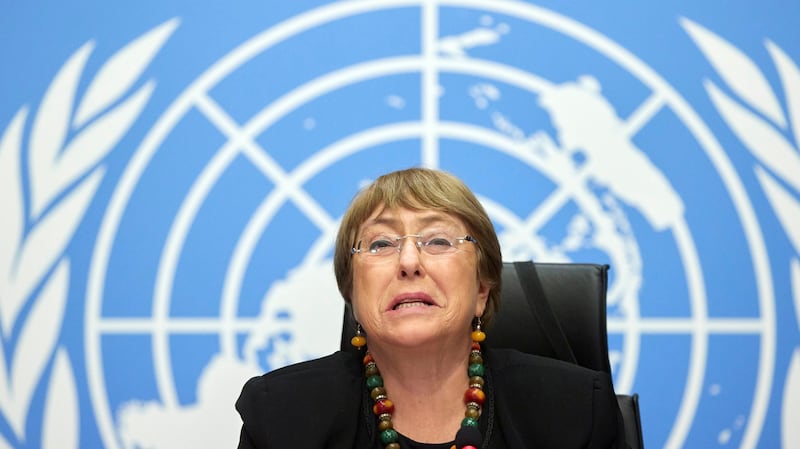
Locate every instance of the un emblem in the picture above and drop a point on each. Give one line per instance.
(224, 272)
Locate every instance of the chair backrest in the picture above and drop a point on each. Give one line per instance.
(576, 295)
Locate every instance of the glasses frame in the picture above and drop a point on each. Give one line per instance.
(419, 244)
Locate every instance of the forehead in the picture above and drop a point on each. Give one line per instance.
(400, 218)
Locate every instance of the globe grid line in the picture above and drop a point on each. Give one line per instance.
(430, 85)
(655, 326)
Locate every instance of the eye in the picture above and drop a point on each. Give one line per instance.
(439, 241)
(379, 244)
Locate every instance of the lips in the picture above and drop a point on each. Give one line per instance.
(409, 300)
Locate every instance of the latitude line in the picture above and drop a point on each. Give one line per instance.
(655, 326)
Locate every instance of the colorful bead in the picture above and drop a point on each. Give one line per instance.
(469, 422)
(371, 369)
(475, 395)
(472, 412)
(389, 436)
(469, 447)
(358, 341)
(477, 336)
(377, 392)
(367, 359)
(384, 424)
(475, 369)
(383, 406)
(374, 381)
(475, 357)
(393, 446)
(476, 381)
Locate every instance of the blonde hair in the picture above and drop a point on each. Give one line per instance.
(421, 188)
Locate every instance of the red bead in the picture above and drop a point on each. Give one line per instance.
(367, 359)
(476, 346)
(469, 447)
(475, 395)
(383, 406)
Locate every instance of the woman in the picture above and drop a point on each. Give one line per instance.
(419, 261)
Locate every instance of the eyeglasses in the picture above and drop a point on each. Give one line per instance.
(382, 247)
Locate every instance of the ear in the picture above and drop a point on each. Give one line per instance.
(484, 288)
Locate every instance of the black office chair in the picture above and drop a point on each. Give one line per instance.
(570, 324)
(557, 311)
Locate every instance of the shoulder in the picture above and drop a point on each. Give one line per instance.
(556, 403)
(334, 374)
(548, 379)
(340, 365)
(277, 405)
(509, 364)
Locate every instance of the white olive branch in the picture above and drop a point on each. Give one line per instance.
(65, 153)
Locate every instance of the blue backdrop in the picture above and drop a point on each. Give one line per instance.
(172, 175)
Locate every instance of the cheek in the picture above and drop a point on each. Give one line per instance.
(366, 284)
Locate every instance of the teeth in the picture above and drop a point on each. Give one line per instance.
(409, 304)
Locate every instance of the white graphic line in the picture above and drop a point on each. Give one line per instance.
(430, 84)
(545, 210)
(214, 325)
(687, 325)
(262, 161)
(643, 114)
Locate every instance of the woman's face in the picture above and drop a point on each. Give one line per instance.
(414, 297)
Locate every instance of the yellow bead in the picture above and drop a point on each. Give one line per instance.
(478, 336)
(358, 341)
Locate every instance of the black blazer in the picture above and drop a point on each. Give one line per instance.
(532, 402)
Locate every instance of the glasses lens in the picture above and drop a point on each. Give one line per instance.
(380, 245)
(438, 244)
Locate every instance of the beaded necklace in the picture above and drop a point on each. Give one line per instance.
(468, 436)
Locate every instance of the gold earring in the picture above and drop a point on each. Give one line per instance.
(359, 340)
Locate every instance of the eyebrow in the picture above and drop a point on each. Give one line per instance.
(425, 220)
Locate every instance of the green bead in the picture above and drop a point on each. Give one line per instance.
(469, 422)
(388, 436)
(475, 369)
(374, 381)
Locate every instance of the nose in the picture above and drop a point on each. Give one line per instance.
(410, 263)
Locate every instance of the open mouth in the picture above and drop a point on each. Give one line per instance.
(407, 304)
